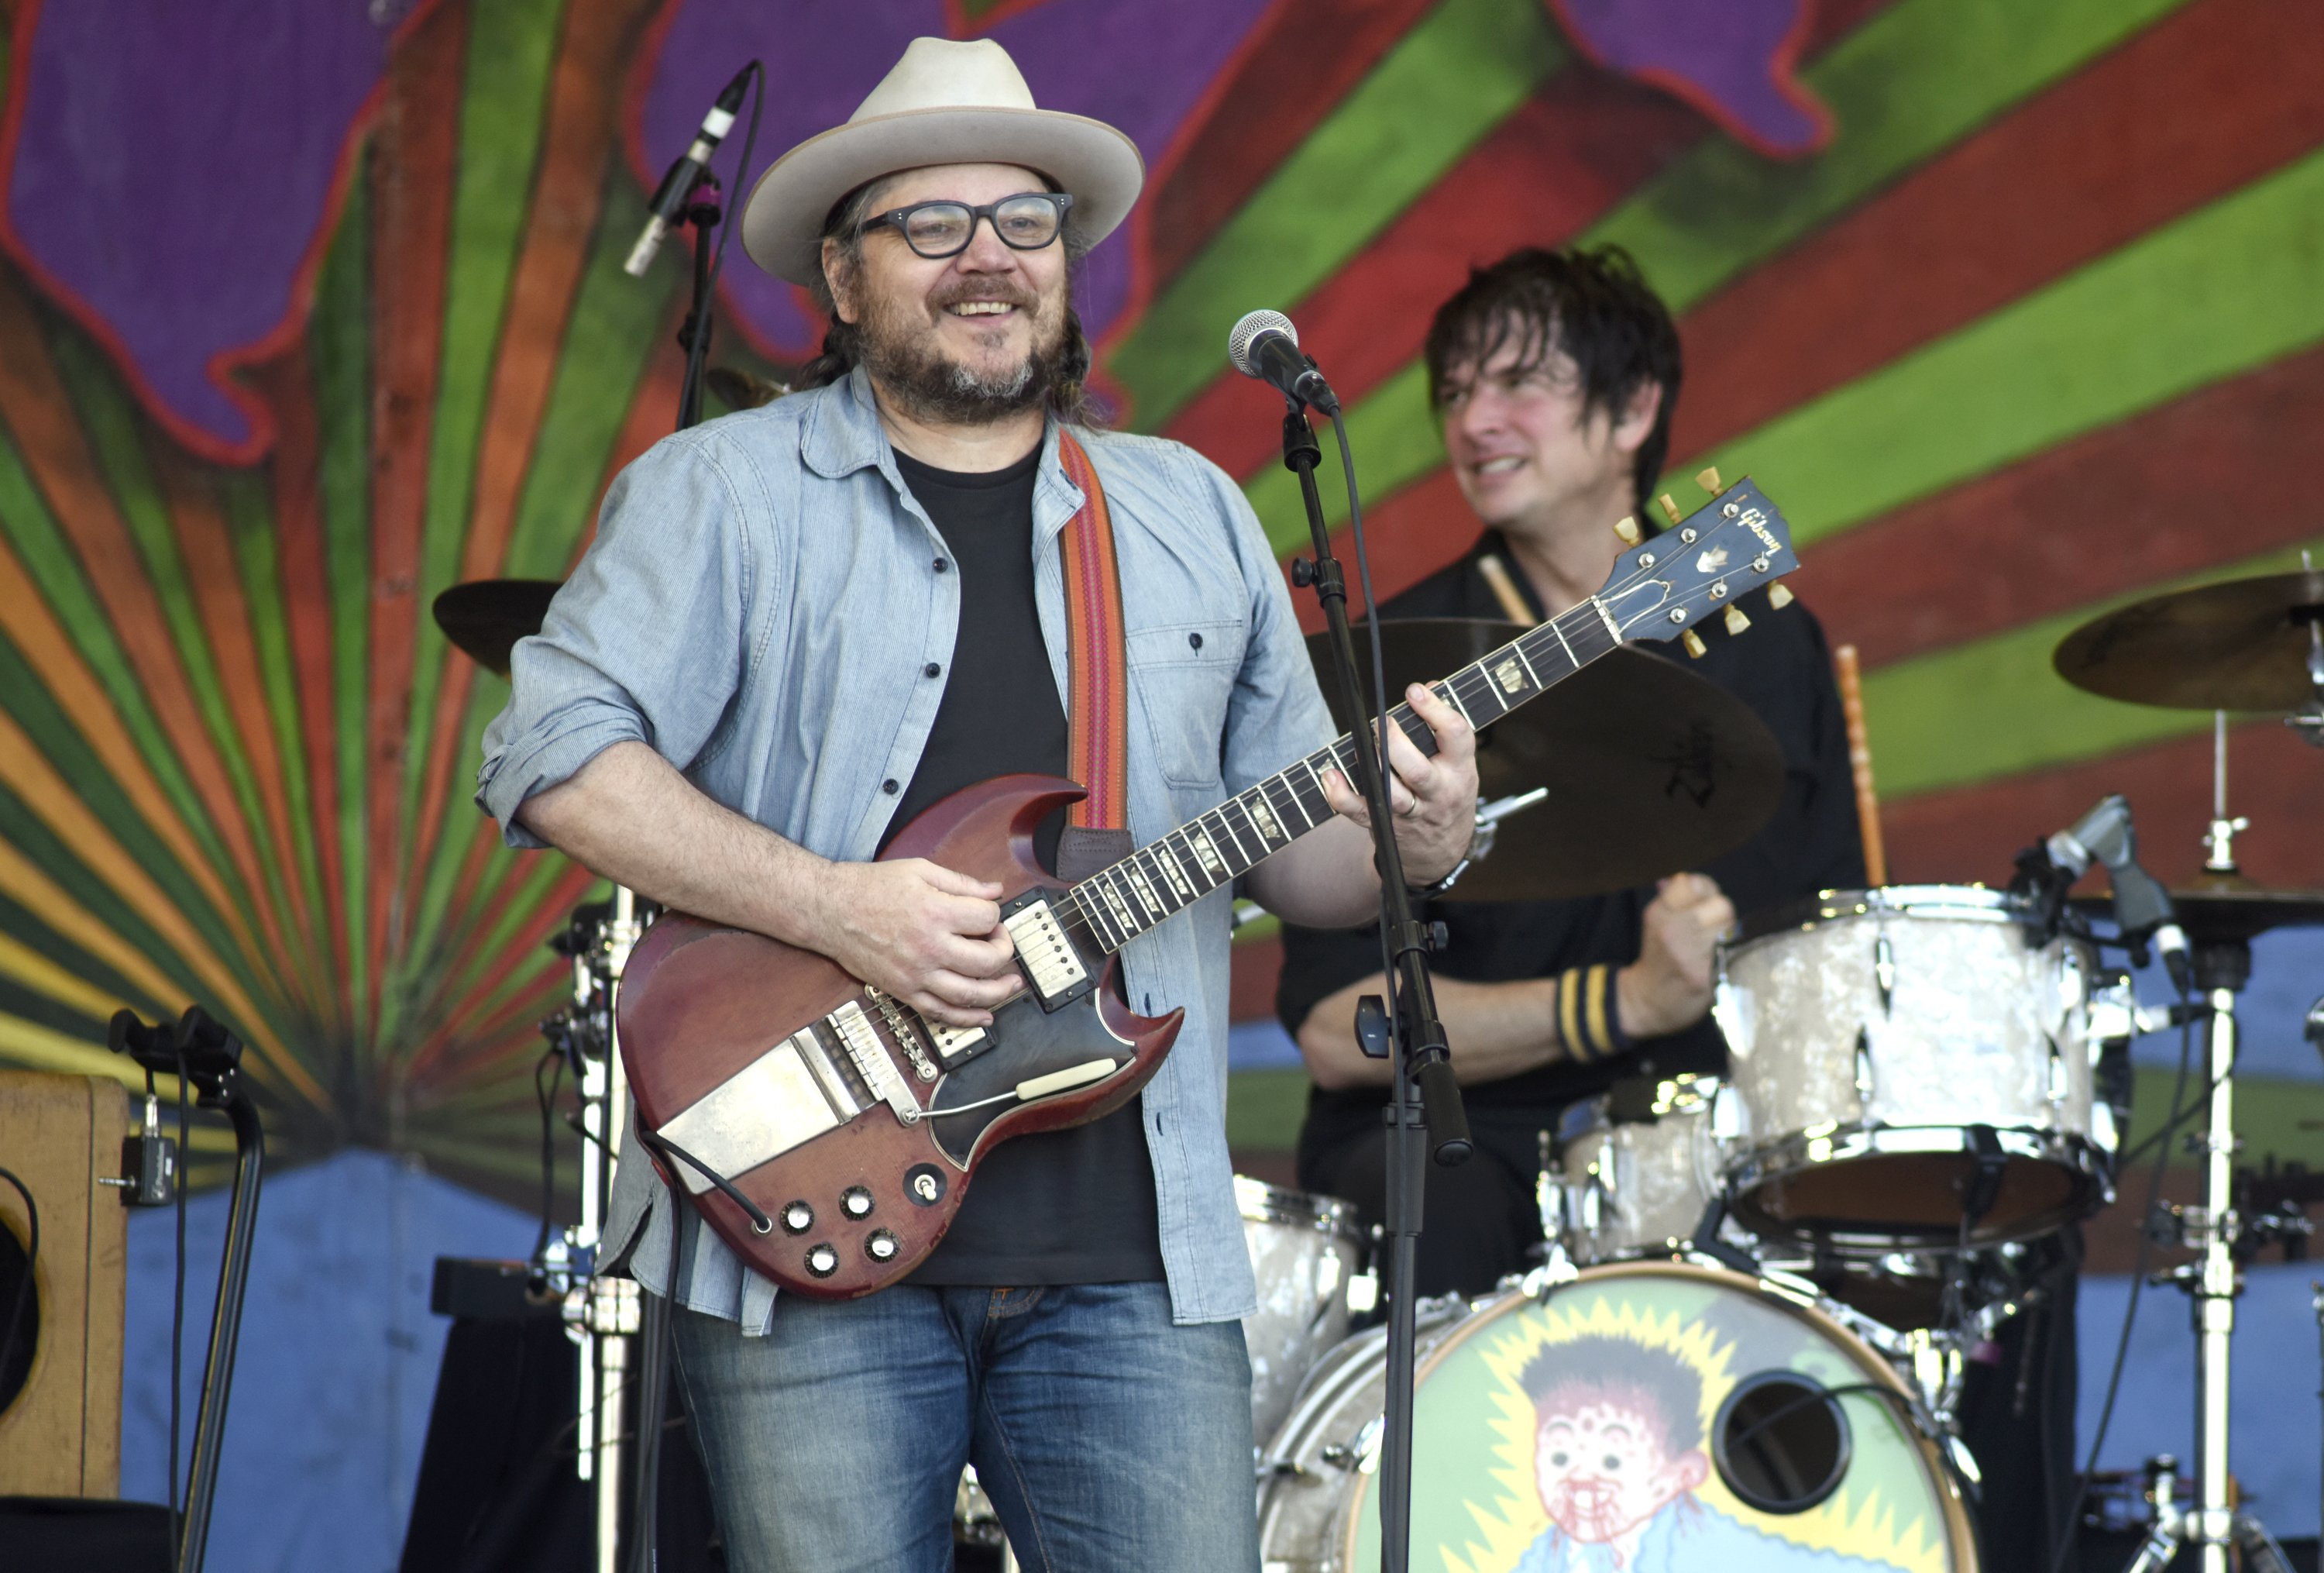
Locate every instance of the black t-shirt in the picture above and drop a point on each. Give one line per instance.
(1060, 1207)
(1783, 671)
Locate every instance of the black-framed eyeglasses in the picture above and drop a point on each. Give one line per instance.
(935, 230)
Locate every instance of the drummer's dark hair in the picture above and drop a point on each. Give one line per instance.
(1069, 398)
(1600, 1368)
(1595, 306)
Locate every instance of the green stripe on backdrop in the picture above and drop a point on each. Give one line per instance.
(111, 424)
(61, 742)
(504, 118)
(30, 835)
(2227, 288)
(616, 324)
(1914, 80)
(1995, 706)
(1463, 70)
(49, 561)
(250, 523)
(32, 930)
(610, 336)
(27, 1004)
(338, 341)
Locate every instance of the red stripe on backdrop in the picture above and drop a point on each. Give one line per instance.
(413, 166)
(1580, 145)
(1290, 74)
(284, 383)
(2073, 174)
(2202, 480)
(456, 1017)
(2272, 776)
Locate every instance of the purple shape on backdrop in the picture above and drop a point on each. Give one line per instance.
(1731, 59)
(1140, 68)
(172, 174)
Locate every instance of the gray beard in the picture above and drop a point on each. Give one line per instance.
(928, 386)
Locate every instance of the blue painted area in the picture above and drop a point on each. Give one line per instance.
(2287, 976)
(1260, 1045)
(2274, 1424)
(338, 1358)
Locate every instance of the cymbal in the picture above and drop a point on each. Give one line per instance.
(1649, 768)
(741, 390)
(486, 618)
(2228, 909)
(2241, 645)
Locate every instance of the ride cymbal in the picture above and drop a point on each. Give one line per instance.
(2247, 644)
(1649, 769)
(486, 618)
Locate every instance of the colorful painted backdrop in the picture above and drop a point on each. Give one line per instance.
(310, 311)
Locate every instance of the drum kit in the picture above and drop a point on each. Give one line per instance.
(1759, 1291)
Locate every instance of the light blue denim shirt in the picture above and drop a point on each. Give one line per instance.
(760, 606)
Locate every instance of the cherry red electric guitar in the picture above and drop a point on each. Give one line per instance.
(828, 1132)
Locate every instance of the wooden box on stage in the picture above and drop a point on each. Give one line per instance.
(60, 1432)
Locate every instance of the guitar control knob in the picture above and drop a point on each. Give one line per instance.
(822, 1261)
(797, 1217)
(856, 1202)
(881, 1246)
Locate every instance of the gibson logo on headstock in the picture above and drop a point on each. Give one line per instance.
(1756, 522)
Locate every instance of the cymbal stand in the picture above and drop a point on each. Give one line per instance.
(2222, 967)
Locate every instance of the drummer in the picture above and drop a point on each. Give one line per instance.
(1555, 374)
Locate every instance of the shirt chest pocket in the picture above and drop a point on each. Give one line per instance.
(1185, 674)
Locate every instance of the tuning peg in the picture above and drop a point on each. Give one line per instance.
(1626, 530)
(1779, 595)
(1707, 478)
(1693, 643)
(1736, 621)
(1670, 507)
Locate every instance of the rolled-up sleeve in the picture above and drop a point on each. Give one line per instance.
(644, 643)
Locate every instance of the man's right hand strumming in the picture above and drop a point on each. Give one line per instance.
(931, 937)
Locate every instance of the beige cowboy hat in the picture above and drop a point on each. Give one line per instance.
(944, 103)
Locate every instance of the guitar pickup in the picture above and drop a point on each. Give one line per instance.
(1045, 952)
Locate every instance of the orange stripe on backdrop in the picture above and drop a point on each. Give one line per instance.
(593, 54)
(457, 1015)
(2199, 481)
(2074, 174)
(37, 409)
(207, 548)
(28, 773)
(2271, 777)
(413, 170)
(285, 382)
(34, 629)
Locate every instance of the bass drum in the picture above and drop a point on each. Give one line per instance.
(1643, 1416)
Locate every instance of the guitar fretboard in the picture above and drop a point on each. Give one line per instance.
(1118, 902)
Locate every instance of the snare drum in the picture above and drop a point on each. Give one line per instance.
(1626, 1188)
(1645, 1415)
(1305, 1251)
(1913, 1070)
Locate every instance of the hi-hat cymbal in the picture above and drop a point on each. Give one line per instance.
(741, 390)
(2241, 645)
(1649, 768)
(486, 618)
(2227, 909)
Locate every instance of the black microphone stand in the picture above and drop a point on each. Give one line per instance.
(703, 211)
(1423, 1097)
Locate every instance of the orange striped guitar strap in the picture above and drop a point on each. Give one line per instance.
(1096, 665)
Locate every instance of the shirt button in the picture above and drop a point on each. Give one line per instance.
(888, 786)
(931, 670)
(942, 565)
(1195, 639)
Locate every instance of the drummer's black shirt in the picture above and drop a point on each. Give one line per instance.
(1060, 1206)
(1782, 669)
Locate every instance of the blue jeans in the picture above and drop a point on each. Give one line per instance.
(1107, 1438)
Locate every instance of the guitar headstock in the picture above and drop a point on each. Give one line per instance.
(1696, 570)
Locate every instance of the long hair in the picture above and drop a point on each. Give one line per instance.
(1067, 397)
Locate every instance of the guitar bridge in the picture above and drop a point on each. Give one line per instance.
(1052, 966)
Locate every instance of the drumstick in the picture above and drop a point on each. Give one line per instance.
(1860, 761)
(1504, 590)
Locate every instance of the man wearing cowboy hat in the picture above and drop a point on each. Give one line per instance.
(800, 625)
